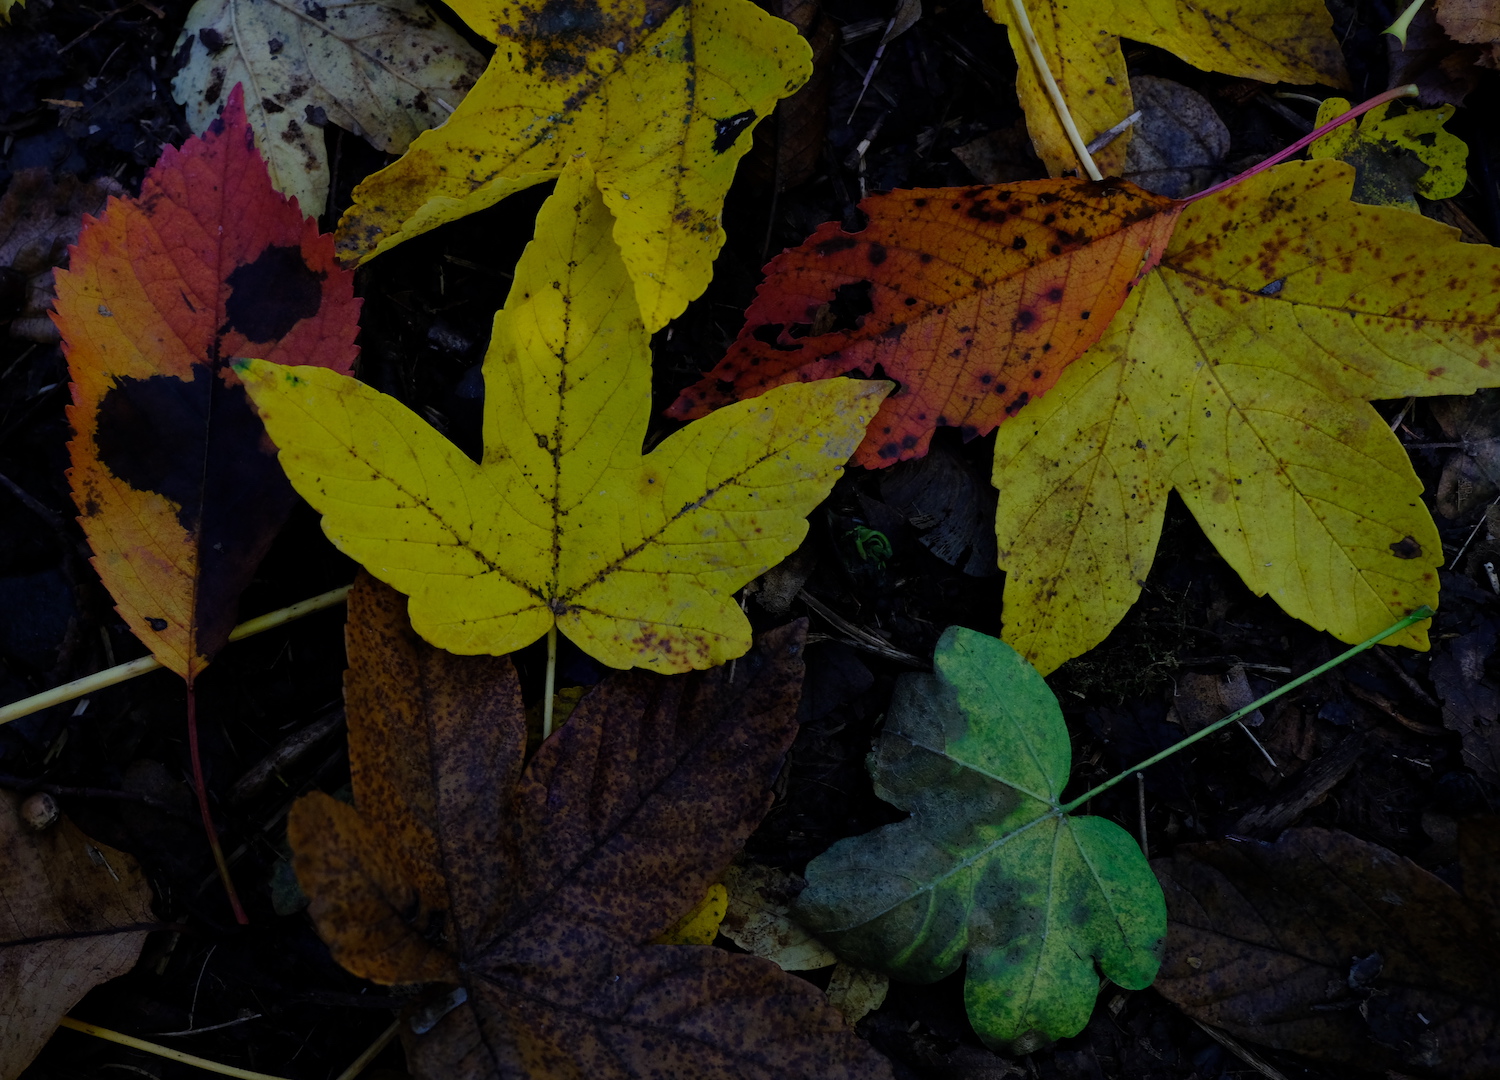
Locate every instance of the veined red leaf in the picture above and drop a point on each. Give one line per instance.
(177, 487)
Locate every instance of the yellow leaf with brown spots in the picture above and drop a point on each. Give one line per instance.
(662, 95)
(1269, 40)
(1239, 374)
(634, 557)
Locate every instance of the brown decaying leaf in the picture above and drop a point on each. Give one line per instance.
(538, 892)
(1471, 702)
(73, 914)
(1339, 949)
(1445, 72)
(40, 215)
(787, 151)
(1179, 143)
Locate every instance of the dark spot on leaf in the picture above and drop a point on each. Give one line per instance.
(1025, 317)
(876, 254)
(727, 131)
(1055, 293)
(155, 435)
(273, 294)
(1019, 243)
(835, 245)
(156, 624)
(1407, 548)
(890, 450)
(1020, 403)
(213, 41)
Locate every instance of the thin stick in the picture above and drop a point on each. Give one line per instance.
(1064, 117)
(551, 681)
(1423, 612)
(162, 1051)
(124, 672)
(1409, 90)
(201, 790)
(1140, 794)
(362, 1062)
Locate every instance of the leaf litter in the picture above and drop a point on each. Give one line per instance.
(1130, 1021)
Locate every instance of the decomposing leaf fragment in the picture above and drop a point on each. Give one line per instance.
(661, 95)
(383, 69)
(539, 891)
(1395, 156)
(1270, 40)
(177, 490)
(73, 914)
(975, 299)
(758, 919)
(40, 215)
(1473, 22)
(635, 558)
(987, 868)
(1340, 949)
(1238, 374)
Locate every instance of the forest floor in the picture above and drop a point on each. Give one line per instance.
(86, 89)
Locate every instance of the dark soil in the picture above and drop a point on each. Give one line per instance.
(272, 996)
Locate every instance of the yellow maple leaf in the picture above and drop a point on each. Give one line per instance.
(634, 557)
(1269, 40)
(660, 96)
(1238, 374)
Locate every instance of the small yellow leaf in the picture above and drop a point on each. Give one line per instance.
(701, 925)
(1396, 156)
(1238, 373)
(635, 558)
(662, 98)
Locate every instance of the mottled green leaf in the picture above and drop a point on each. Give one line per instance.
(988, 865)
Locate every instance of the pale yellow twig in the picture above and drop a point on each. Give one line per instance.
(123, 672)
(162, 1051)
(360, 1063)
(551, 684)
(1064, 117)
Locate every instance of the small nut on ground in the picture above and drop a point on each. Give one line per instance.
(40, 812)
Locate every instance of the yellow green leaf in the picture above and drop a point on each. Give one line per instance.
(635, 558)
(660, 96)
(701, 925)
(1238, 374)
(1396, 156)
(1269, 40)
(5, 8)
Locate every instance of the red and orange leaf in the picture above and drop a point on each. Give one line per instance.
(975, 299)
(177, 487)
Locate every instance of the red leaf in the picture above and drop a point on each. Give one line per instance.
(977, 299)
(177, 486)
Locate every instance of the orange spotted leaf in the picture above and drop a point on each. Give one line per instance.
(975, 299)
(177, 487)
